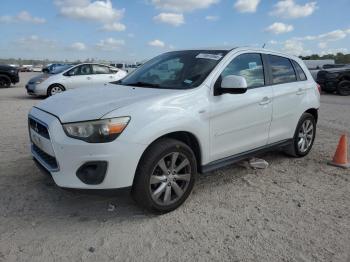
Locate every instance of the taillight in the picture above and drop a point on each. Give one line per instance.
(318, 88)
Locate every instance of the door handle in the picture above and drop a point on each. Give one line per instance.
(265, 101)
(88, 78)
(110, 76)
(300, 91)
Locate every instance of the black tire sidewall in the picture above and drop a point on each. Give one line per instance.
(304, 117)
(341, 85)
(7, 81)
(146, 167)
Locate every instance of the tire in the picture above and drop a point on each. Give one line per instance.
(55, 89)
(5, 81)
(343, 88)
(156, 187)
(328, 91)
(296, 149)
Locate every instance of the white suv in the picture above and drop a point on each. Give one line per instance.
(68, 77)
(181, 113)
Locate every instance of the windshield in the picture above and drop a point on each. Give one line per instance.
(175, 70)
(60, 69)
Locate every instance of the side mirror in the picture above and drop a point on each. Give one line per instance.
(233, 84)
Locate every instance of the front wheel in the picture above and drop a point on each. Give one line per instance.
(304, 136)
(5, 81)
(54, 90)
(165, 176)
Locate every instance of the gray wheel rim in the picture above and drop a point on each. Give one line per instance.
(170, 179)
(305, 136)
(55, 90)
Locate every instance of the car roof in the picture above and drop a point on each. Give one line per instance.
(241, 48)
(108, 65)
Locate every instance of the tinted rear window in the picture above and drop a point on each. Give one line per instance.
(282, 70)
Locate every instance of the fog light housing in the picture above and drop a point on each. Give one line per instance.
(92, 173)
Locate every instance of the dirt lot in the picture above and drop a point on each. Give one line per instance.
(295, 210)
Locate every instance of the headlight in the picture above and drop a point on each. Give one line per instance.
(99, 131)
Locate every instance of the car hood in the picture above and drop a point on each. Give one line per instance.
(36, 78)
(85, 104)
(6, 67)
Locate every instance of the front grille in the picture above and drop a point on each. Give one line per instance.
(39, 128)
(49, 161)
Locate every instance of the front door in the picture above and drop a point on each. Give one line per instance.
(241, 122)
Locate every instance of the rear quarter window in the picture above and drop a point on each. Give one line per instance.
(300, 71)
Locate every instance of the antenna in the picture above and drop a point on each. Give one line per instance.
(264, 45)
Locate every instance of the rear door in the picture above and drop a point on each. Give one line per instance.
(102, 75)
(288, 94)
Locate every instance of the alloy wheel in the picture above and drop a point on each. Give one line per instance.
(305, 135)
(170, 178)
(55, 90)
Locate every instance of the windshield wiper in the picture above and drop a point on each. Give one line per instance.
(141, 84)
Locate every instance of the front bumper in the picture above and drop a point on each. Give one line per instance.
(70, 154)
(35, 89)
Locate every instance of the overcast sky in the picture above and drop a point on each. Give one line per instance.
(138, 29)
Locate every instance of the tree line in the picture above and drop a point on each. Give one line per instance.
(339, 58)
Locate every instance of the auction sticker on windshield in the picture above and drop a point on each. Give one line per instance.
(209, 56)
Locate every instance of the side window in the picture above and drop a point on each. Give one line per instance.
(249, 66)
(74, 71)
(282, 70)
(85, 70)
(80, 70)
(300, 71)
(99, 69)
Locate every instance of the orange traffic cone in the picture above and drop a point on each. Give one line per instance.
(340, 158)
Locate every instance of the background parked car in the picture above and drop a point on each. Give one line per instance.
(37, 68)
(126, 67)
(26, 68)
(8, 75)
(335, 79)
(68, 77)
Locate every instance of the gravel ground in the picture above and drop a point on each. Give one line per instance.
(295, 210)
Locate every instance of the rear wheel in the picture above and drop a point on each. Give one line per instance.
(54, 90)
(304, 136)
(343, 88)
(5, 81)
(165, 176)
